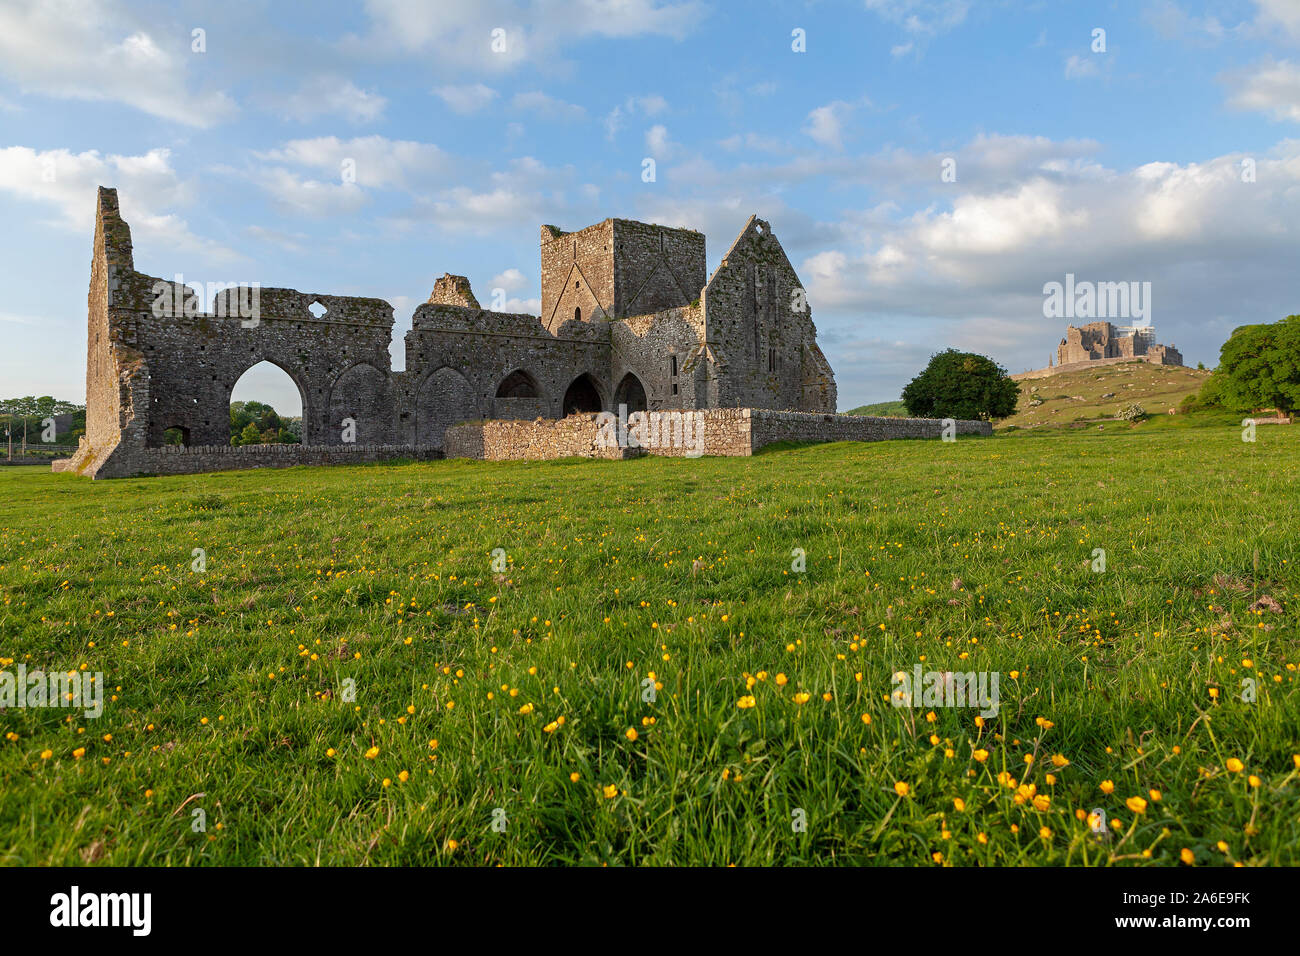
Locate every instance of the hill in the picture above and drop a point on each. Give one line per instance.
(1098, 394)
(881, 410)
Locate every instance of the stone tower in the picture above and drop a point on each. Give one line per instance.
(616, 269)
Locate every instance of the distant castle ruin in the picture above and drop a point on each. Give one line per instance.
(1102, 343)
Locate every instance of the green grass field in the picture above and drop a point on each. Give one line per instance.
(894, 409)
(514, 698)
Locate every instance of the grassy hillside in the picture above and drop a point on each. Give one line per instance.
(882, 409)
(657, 676)
(1094, 394)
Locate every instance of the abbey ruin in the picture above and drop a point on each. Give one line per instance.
(629, 318)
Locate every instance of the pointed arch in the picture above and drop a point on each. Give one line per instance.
(444, 398)
(582, 395)
(631, 392)
(519, 384)
(256, 367)
(361, 395)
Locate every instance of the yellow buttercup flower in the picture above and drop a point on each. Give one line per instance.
(1136, 804)
(901, 788)
(610, 792)
(1108, 786)
(1235, 765)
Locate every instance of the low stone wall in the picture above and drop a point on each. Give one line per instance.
(730, 432)
(188, 460)
(578, 436)
(773, 426)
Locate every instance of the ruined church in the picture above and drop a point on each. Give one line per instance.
(629, 317)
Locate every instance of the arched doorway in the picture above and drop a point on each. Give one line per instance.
(445, 398)
(583, 395)
(518, 384)
(630, 392)
(361, 407)
(266, 407)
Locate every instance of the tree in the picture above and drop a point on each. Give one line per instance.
(270, 428)
(961, 385)
(1259, 367)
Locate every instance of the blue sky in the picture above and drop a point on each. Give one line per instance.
(1122, 165)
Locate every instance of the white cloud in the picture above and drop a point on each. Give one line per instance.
(330, 96)
(511, 280)
(922, 16)
(1172, 21)
(376, 161)
(300, 195)
(826, 124)
(526, 191)
(92, 50)
(650, 105)
(1078, 67)
(547, 106)
(469, 98)
(754, 142)
(66, 182)
(535, 31)
(658, 141)
(1283, 13)
(289, 241)
(1271, 87)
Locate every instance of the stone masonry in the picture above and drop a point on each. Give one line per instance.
(1102, 340)
(730, 432)
(629, 319)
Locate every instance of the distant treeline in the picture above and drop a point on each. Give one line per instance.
(30, 414)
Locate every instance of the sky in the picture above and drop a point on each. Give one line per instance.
(928, 165)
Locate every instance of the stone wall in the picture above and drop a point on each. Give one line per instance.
(760, 333)
(728, 432)
(774, 426)
(578, 436)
